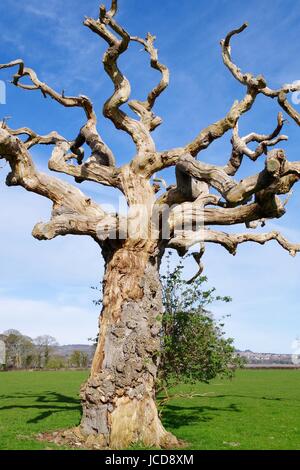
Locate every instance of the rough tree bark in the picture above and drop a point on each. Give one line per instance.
(119, 397)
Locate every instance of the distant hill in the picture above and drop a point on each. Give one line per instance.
(256, 358)
(67, 349)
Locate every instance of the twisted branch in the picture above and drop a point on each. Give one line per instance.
(137, 130)
(91, 170)
(144, 108)
(255, 85)
(70, 206)
(67, 101)
(240, 148)
(231, 241)
(259, 82)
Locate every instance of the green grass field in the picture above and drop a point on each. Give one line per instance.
(259, 409)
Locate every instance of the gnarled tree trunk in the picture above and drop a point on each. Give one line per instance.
(119, 397)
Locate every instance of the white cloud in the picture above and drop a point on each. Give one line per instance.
(67, 323)
(35, 8)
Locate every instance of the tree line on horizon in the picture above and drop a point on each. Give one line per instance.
(23, 352)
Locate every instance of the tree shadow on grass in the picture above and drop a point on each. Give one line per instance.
(270, 398)
(177, 416)
(47, 403)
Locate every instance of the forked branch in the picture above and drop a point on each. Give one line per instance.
(136, 129)
(67, 101)
(259, 82)
(144, 108)
(240, 145)
(254, 85)
(101, 155)
(65, 151)
(73, 212)
(231, 241)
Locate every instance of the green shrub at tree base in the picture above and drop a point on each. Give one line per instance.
(194, 346)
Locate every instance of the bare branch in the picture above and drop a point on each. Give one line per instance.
(240, 148)
(278, 177)
(245, 78)
(255, 86)
(113, 9)
(288, 108)
(67, 101)
(89, 171)
(69, 203)
(235, 193)
(255, 137)
(235, 215)
(75, 224)
(137, 130)
(231, 241)
(143, 108)
(218, 129)
(206, 136)
(88, 133)
(198, 258)
(259, 82)
(33, 137)
(213, 175)
(101, 154)
(92, 170)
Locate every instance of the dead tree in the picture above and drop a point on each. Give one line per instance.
(119, 397)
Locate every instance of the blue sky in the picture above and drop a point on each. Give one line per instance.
(45, 286)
